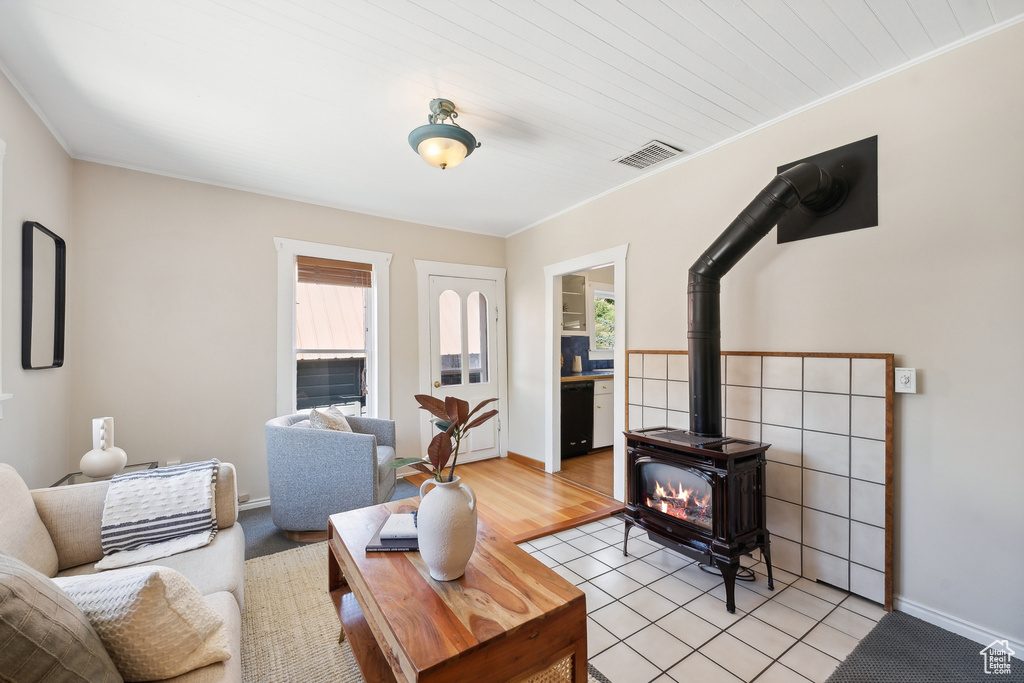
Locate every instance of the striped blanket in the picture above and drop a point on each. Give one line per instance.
(155, 513)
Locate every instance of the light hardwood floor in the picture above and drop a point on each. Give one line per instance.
(593, 470)
(523, 503)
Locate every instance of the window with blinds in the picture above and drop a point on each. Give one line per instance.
(331, 332)
(321, 271)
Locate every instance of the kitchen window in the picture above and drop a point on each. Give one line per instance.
(601, 316)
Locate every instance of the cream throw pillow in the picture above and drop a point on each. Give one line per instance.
(22, 533)
(152, 621)
(43, 635)
(329, 419)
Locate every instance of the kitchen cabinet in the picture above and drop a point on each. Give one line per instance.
(574, 304)
(604, 413)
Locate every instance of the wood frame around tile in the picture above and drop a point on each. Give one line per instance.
(890, 363)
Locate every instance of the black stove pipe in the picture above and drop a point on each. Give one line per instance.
(805, 184)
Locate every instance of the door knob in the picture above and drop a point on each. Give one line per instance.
(437, 384)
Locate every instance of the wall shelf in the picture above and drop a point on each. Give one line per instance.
(574, 289)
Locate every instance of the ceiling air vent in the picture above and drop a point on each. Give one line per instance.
(652, 153)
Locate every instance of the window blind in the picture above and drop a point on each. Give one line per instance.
(321, 271)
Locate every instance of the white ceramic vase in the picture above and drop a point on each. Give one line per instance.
(103, 462)
(105, 459)
(446, 527)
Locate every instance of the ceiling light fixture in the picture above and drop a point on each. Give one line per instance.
(440, 145)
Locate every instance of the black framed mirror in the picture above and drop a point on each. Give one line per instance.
(43, 291)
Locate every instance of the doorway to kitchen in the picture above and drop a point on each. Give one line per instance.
(578, 364)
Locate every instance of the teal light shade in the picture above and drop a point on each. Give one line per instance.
(442, 146)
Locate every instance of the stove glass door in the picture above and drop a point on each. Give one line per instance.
(681, 492)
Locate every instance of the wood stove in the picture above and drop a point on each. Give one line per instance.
(698, 491)
(701, 496)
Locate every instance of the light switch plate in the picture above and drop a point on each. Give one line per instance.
(906, 380)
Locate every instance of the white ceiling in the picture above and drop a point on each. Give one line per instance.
(313, 99)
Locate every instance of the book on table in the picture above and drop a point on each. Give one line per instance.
(397, 533)
(399, 525)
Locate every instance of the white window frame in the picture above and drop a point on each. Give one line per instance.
(608, 292)
(378, 317)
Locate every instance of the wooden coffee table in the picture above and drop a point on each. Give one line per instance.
(510, 618)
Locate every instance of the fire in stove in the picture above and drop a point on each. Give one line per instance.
(703, 500)
(682, 503)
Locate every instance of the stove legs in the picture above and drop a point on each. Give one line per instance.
(766, 550)
(728, 570)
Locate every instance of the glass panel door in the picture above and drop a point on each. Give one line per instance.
(476, 329)
(462, 350)
(449, 310)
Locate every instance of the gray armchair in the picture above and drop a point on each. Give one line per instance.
(315, 473)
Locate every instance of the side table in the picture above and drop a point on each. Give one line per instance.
(79, 478)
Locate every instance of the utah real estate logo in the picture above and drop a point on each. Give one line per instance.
(997, 657)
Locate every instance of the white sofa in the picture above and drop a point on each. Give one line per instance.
(56, 531)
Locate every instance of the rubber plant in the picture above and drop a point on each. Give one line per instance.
(454, 418)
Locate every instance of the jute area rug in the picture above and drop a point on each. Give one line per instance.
(289, 626)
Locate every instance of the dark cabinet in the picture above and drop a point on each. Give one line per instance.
(577, 418)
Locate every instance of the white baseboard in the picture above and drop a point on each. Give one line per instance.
(264, 502)
(967, 629)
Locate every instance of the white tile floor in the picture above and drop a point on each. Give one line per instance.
(655, 616)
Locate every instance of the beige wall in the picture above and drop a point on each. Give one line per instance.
(36, 187)
(176, 318)
(940, 283)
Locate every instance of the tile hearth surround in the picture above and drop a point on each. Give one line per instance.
(654, 616)
(826, 418)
